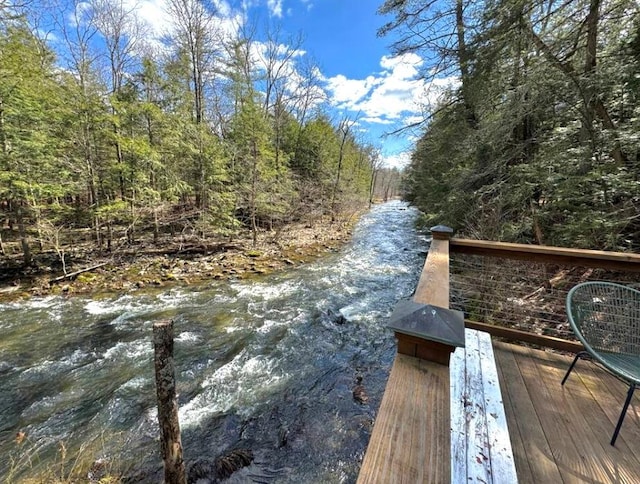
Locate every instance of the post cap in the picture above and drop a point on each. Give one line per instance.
(441, 232)
(428, 322)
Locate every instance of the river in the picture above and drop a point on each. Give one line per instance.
(261, 365)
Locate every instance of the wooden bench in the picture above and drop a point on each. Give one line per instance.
(480, 445)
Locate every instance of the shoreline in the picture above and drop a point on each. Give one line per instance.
(166, 265)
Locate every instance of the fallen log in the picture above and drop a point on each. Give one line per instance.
(71, 275)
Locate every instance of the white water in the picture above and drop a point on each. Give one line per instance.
(255, 361)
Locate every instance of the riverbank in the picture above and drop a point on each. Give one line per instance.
(148, 265)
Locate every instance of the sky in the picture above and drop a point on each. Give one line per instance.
(363, 81)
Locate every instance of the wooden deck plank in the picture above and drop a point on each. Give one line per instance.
(533, 450)
(480, 445)
(587, 416)
(574, 421)
(501, 454)
(478, 455)
(458, 426)
(611, 393)
(570, 459)
(410, 442)
(525, 476)
(589, 468)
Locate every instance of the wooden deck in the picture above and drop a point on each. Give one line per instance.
(410, 442)
(561, 434)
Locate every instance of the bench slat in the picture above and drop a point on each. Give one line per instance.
(480, 444)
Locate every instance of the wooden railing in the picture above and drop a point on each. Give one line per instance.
(411, 440)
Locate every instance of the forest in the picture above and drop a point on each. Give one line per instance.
(107, 137)
(539, 142)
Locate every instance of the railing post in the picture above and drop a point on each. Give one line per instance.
(411, 438)
(435, 331)
(171, 444)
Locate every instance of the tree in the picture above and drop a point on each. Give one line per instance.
(549, 157)
(30, 116)
(121, 31)
(254, 161)
(438, 32)
(195, 35)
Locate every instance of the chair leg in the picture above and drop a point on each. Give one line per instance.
(575, 360)
(632, 387)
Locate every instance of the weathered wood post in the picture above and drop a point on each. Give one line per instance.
(171, 444)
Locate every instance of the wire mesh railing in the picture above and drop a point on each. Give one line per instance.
(522, 294)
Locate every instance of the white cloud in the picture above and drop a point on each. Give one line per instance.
(154, 14)
(376, 120)
(398, 160)
(347, 92)
(396, 95)
(275, 8)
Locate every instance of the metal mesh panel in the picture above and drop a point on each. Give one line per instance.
(529, 296)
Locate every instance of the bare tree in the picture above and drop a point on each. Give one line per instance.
(121, 31)
(196, 35)
(195, 32)
(375, 163)
(277, 61)
(344, 129)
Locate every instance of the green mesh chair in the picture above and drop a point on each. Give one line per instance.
(606, 319)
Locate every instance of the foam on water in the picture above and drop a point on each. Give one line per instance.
(188, 337)
(238, 385)
(133, 350)
(132, 305)
(44, 302)
(135, 383)
(270, 324)
(56, 366)
(266, 291)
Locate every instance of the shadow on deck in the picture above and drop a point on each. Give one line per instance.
(561, 434)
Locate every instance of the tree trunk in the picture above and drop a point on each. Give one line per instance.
(372, 184)
(598, 106)
(156, 226)
(170, 441)
(344, 128)
(24, 241)
(463, 60)
(253, 195)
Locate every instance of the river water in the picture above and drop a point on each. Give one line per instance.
(261, 365)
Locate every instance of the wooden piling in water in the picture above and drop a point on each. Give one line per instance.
(171, 444)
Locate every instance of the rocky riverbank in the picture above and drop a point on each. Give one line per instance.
(147, 266)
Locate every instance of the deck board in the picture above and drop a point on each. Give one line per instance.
(561, 434)
(410, 442)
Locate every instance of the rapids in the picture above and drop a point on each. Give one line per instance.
(261, 365)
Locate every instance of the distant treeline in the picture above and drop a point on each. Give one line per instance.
(202, 132)
(540, 140)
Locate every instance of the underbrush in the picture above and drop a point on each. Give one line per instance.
(50, 462)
